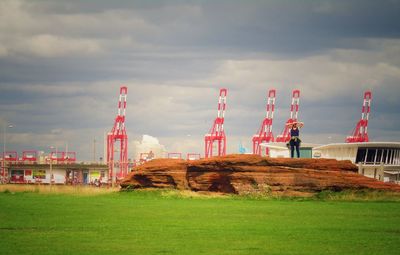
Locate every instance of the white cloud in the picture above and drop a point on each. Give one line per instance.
(319, 77)
(146, 145)
(46, 45)
(26, 30)
(16, 19)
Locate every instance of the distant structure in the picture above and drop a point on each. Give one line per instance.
(242, 149)
(264, 134)
(10, 156)
(63, 157)
(360, 132)
(118, 133)
(217, 132)
(284, 137)
(55, 173)
(193, 156)
(175, 155)
(33, 157)
(29, 156)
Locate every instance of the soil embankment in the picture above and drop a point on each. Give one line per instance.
(251, 173)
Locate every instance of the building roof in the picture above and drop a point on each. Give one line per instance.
(394, 145)
(282, 146)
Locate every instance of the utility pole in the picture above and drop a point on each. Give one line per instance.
(94, 150)
(104, 148)
(51, 163)
(4, 148)
(4, 153)
(51, 169)
(66, 150)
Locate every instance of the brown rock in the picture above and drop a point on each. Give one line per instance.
(248, 173)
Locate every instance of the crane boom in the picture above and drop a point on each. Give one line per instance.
(118, 133)
(217, 132)
(360, 132)
(264, 133)
(294, 111)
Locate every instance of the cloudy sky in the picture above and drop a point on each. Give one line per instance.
(62, 63)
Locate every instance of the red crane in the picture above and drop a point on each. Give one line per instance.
(360, 132)
(264, 134)
(118, 133)
(284, 137)
(217, 132)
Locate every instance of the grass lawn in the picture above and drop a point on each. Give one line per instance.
(152, 223)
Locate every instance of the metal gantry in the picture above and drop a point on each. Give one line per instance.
(193, 156)
(264, 134)
(174, 155)
(217, 132)
(360, 132)
(118, 133)
(294, 110)
(29, 156)
(63, 157)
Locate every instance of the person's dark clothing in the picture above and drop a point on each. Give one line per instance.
(294, 142)
(294, 132)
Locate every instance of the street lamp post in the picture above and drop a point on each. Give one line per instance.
(51, 167)
(4, 147)
(51, 163)
(94, 150)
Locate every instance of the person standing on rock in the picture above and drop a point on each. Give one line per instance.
(295, 138)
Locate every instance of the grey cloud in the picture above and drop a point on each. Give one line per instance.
(146, 41)
(61, 64)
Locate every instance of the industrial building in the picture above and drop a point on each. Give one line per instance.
(74, 173)
(379, 160)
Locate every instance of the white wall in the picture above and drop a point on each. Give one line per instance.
(279, 153)
(341, 153)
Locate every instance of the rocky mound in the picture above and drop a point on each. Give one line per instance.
(249, 173)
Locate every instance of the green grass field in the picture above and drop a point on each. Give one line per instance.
(152, 223)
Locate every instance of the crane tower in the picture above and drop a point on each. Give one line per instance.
(118, 133)
(360, 132)
(217, 133)
(294, 110)
(264, 134)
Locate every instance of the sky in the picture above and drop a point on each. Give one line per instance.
(62, 63)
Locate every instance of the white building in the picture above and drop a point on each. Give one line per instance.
(379, 160)
(280, 150)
